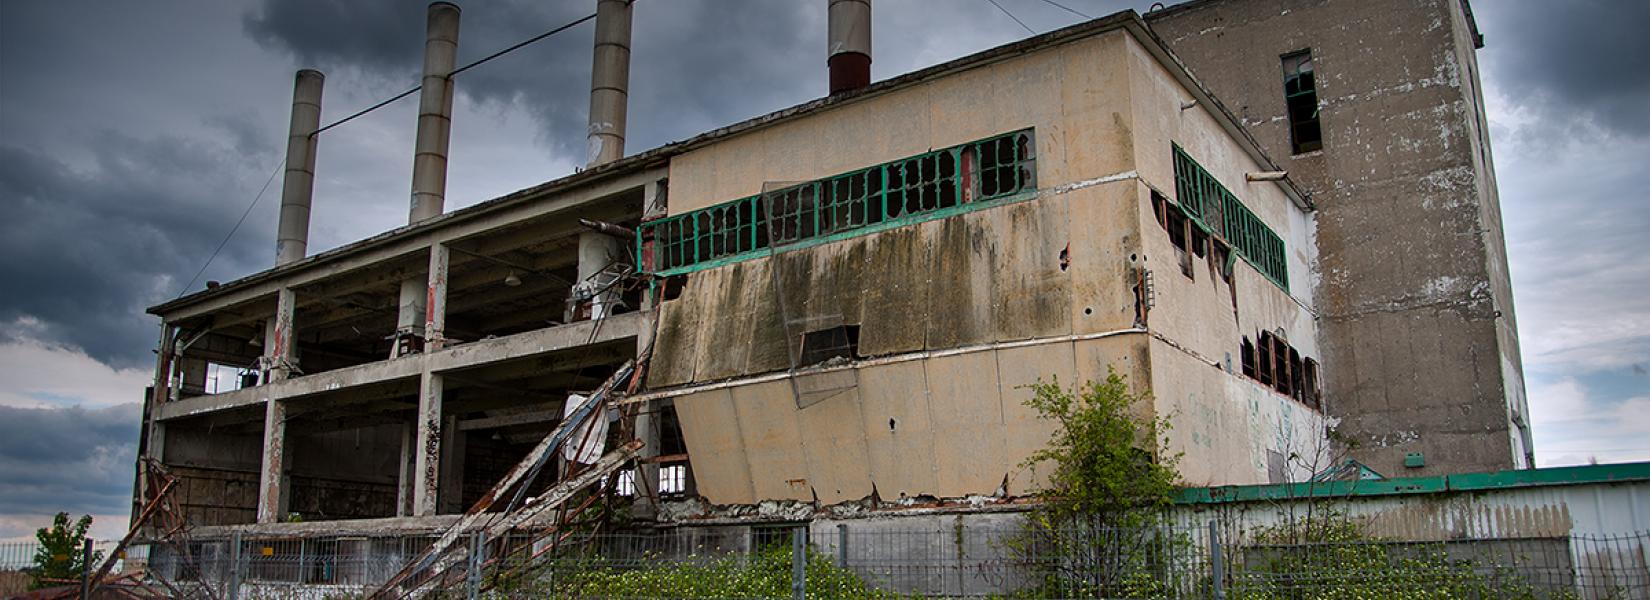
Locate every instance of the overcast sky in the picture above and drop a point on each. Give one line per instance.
(133, 135)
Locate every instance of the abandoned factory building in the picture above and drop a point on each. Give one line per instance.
(1276, 217)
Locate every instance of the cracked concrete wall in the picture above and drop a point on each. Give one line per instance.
(934, 405)
(1420, 346)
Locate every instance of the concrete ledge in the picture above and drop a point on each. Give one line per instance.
(464, 356)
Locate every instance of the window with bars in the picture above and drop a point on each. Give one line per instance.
(1216, 211)
(926, 186)
(1300, 94)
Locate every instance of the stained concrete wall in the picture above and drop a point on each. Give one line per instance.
(1419, 340)
(935, 406)
(333, 475)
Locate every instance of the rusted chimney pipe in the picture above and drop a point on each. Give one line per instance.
(435, 113)
(849, 44)
(609, 81)
(298, 187)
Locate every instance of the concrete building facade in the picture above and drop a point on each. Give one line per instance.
(841, 302)
(1416, 301)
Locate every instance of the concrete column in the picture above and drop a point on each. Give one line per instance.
(435, 113)
(452, 467)
(404, 480)
(596, 252)
(848, 44)
(279, 347)
(609, 81)
(647, 473)
(272, 472)
(292, 232)
(435, 299)
(427, 459)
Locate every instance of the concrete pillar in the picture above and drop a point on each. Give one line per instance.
(435, 113)
(848, 44)
(298, 187)
(646, 478)
(609, 81)
(404, 479)
(435, 299)
(596, 252)
(427, 457)
(452, 467)
(272, 472)
(279, 348)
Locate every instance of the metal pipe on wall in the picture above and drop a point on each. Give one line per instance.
(298, 186)
(435, 113)
(848, 44)
(609, 81)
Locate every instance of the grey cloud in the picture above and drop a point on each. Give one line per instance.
(74, 460)
(1582, 63)
(87, 249)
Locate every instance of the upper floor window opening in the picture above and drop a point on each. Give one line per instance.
(1300, 94)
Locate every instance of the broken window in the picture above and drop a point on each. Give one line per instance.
(1309, 383)
(1215, 211)
(995, 168)
(1300, 93)
(672, 479)
(1263, 356)
(1248, 357)
(838, 343)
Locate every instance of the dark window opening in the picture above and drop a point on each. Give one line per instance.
(1300, 94)
(671, 289)
(1248, 354)
(1309, 383)
(837, 343)
(1263, 355)
(1276, 364)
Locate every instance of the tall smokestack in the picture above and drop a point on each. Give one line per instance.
(435, 113)
(298, 187)
(849, 44)
(609, 81)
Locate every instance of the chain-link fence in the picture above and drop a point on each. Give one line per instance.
(944, 559)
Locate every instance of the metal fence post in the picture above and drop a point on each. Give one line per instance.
(842, 545)
(478, 546)
(86, 569)
(235, 556)
(1217, 566)
(799, 566)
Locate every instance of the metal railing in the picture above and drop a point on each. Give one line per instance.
(942, 558)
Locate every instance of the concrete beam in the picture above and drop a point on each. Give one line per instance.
(467, 356)
(543, 201)
(537, 416)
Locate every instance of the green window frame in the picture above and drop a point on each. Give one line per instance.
(932, 185)
(1219, 212)
(1300, 96)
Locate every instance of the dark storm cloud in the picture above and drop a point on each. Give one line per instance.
(696, 64)
(85, 250)
(73, 460)
(1584, 62)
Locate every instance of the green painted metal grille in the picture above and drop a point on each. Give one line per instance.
(926, 186)
(1217, 211)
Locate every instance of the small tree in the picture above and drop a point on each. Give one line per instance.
(59, 556)
(1112, 479)
(1110, 468)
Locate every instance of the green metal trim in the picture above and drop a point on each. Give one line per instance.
(819, 196)
(895, 223)
(1463, 482)
(1240, 228)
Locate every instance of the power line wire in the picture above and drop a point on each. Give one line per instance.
(354, 116)
(232, 230)
(1068, 9)
(1011, 16)
(455, 72)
